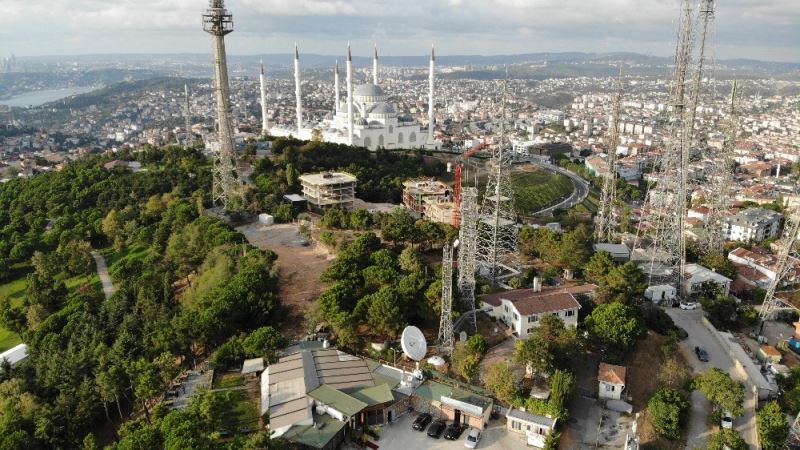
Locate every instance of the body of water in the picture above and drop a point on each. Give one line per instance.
(36, 98)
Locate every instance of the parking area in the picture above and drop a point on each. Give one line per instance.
(400, 436)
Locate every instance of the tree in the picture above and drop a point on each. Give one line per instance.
(673, 373)
(720, 264)
(550, 346)
(719, 307)
(464, 362)
(384, 314)
(598, 267)
(264, 342)
(772, 426)
(112, 227)
(500, 381)
(667, 410)
(615, 327)
(624, 284)
(726, 439)
(398, 226)
(477, 344)
(722, 390)
(561, 384)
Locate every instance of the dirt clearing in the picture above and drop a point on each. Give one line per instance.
(300, 264)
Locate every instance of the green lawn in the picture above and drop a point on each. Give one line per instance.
(228, 380)
(246, 410)
(538, 189)
(113, 258)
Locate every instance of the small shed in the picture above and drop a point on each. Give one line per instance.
(612, 381)
(769, 354)
(661, 293)
(255, 365)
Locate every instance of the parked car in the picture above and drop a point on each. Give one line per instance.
(436, 428)
(473, 438)
(688, 305)
(453, 431)
(702, 355)
(422, 421)
(727, 420)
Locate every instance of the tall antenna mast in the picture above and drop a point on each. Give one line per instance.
(706, 15)
(188, 116)
(227, 189)
(446, 320)
(468, 249)
(605, 225)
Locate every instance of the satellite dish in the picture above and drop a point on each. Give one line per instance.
(413, 343)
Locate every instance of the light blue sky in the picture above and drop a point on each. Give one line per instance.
(758, 29)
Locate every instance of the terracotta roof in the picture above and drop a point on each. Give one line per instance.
(611, 374)
(529, 302)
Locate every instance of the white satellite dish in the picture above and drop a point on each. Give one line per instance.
(413, 343)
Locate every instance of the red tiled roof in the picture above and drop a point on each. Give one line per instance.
(529, 302)
(611, 373)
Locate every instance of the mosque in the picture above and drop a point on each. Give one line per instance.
(364, 117)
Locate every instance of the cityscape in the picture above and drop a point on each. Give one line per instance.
(340, 242)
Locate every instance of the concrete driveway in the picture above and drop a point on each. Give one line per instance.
(400, 436)
(699, 335)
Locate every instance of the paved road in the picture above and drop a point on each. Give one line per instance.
(699, 335)
(578, 194)
(102, 271)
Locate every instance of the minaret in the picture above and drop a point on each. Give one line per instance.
(375, 67)
(336, 88)
(298, 99)
(349, 96)
(218, 22)
(430, 98)
(264, 119)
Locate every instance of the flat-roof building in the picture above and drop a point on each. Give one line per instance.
(329, 190)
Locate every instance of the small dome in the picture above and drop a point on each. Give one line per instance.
(368, 90)
(361, 121)
(382, 108)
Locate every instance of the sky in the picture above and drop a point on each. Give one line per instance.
(755, 29)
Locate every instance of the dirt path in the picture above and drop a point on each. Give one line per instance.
(300, 268)
(102, 271)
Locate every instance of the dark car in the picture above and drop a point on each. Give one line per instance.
(436, 428)
(702, 355)
(453, 431)
(422, 421)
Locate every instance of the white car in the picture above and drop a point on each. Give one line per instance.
(688, 305)
(727, 420)
(473, 438)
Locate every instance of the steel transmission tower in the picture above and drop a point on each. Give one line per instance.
(786, 261)
(605, 225)
(705, 16)
(497, 222)
(446, 322)
(188, 116)
(662, 250)
(713, 236)
(468, 249)
(227, 189)
(793, 439)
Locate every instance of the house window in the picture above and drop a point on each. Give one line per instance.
(530, 330)
(506, 308)
(569, 313)
(529, 428)
(533, 319)
(609, 388)
(516, 425)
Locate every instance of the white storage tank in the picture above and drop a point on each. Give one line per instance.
(266, 219)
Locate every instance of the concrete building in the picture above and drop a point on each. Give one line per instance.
(758, 267)
(611, 379)
(696, 276)
(534, 426)
(752, 225)
(521, 309)
(329, 190)
(618, 252)
(419, 195)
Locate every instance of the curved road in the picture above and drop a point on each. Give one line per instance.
(578, 194)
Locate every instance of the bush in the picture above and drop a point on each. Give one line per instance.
(667, 409)
(656, 319)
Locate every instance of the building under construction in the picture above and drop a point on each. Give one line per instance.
(432, 200)
(329, 190)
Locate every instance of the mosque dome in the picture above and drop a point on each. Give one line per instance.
(383, 109)
(369, 90)
(361, 122)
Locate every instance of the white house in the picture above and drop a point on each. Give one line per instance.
(522, 309)
(752, 224)
(534, 426)
(697, 275)
(612, 381)
(759, 266)
(661, 293)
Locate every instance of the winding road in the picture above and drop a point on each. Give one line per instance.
(578, 195)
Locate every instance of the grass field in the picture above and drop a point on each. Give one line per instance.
(538, 189)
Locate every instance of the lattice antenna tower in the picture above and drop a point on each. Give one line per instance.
(793, 439)
(468, 249)
(605, 225)
(188, 116)
(663, 248)
(786, 262)
(705, 19)
(719, 201)
(227, 188)
(446, 322)
(497, 231)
